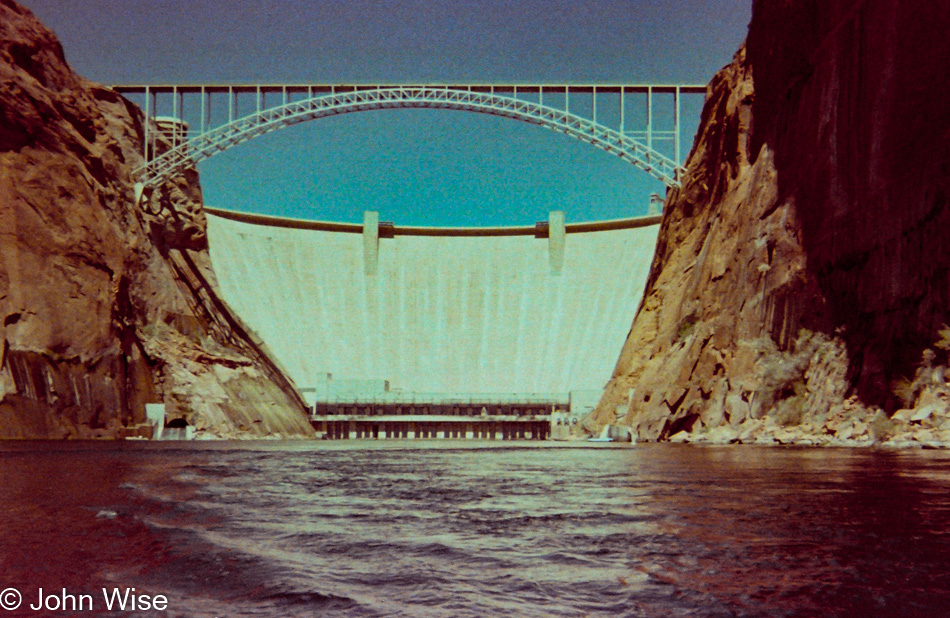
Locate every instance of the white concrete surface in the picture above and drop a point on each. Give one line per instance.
(155, 414)
(440, 314)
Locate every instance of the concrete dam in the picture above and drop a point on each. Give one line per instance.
(380, 313)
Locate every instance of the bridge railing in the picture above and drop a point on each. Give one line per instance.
(445, 399)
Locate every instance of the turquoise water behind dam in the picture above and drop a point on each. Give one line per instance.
(472, 529)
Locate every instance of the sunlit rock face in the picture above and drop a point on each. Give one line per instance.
(801, 270)
(104, 307)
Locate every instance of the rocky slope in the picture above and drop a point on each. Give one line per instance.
(801, 277)
(106, 306)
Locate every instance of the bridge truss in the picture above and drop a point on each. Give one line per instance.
(202, 120)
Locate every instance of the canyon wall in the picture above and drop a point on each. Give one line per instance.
(106, 306)
(801, 281)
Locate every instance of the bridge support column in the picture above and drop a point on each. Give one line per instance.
(370, 242)
(556, 237)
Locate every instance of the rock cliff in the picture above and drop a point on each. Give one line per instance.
(106, 306)
(801, 276)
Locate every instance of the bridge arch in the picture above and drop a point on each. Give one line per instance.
(219, 139)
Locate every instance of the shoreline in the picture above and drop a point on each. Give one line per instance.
(472, 444)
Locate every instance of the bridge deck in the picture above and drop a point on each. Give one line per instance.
(506, 88)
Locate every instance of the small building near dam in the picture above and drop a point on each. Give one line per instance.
(437, 332)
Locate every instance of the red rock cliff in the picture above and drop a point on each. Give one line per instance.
(801, 270)
(105, 307)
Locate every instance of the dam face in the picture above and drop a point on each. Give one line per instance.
(435, 314)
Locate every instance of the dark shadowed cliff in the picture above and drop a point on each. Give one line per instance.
(106, 307)
(801, 279)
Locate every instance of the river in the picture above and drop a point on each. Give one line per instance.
(472, 529)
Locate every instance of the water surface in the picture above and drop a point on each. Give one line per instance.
(471, 529)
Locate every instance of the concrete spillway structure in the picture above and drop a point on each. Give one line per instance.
(541, 309)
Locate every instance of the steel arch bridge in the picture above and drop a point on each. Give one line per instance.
(548, 106)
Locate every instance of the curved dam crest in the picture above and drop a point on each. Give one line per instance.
(448, 315)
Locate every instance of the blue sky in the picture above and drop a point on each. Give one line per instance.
(417, 167)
